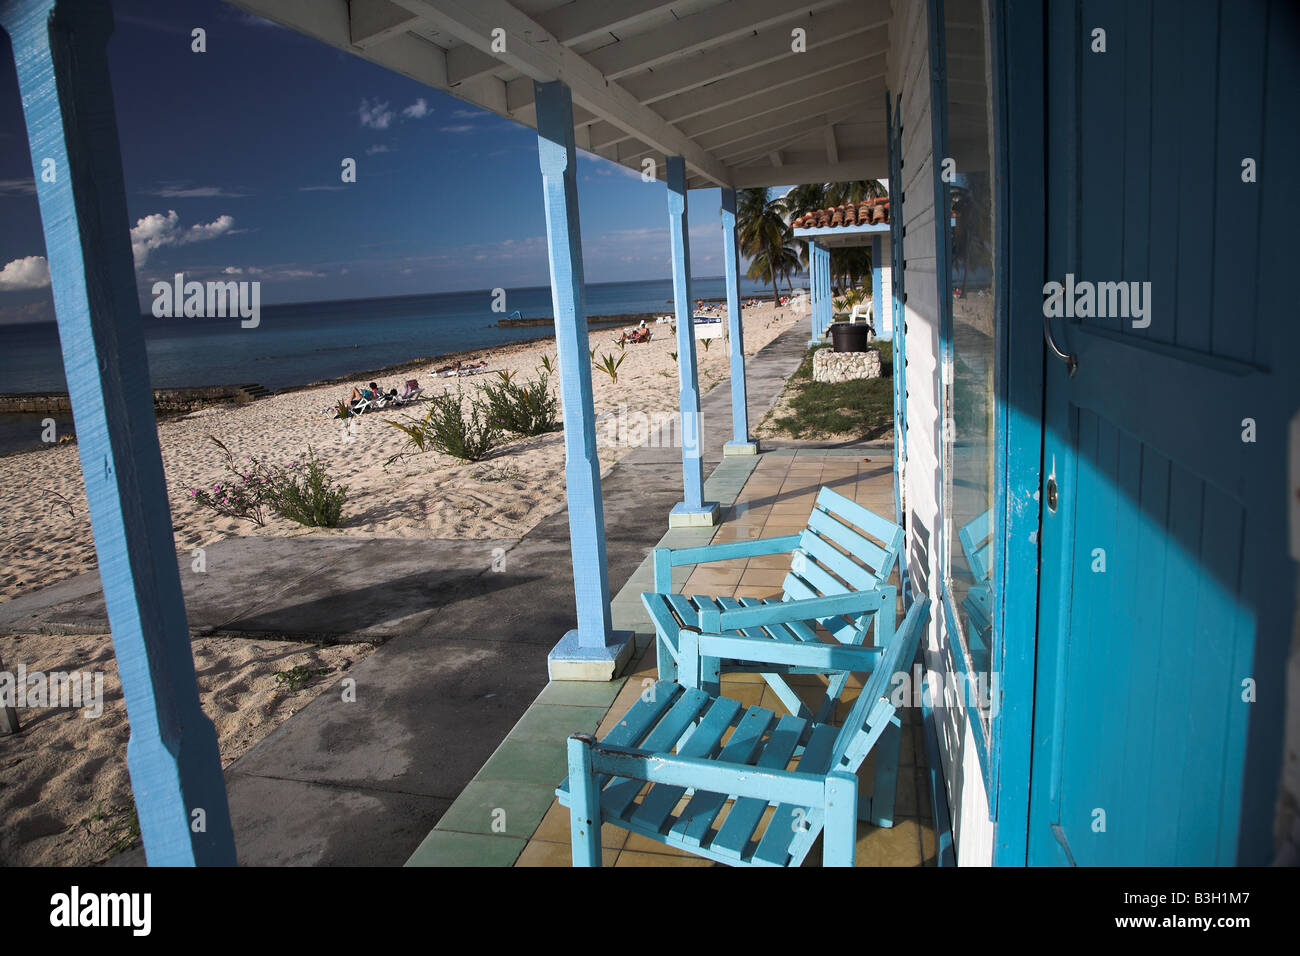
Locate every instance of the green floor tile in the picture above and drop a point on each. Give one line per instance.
(527, 761)
(548, 723)
(447, 848)
(498, 808)
(580, 693)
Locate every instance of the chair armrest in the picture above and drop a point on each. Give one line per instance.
(693, 645)
(713, 621)
(739, 780)
(668, 558)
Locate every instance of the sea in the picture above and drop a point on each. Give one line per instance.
(295, 344)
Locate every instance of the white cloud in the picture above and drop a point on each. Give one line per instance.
(417, 110)
(17, 187)
(32, 272)
(456, 129)
(375, 115)
(377, 148)
(157, 230)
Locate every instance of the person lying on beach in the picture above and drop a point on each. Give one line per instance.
(460, 368)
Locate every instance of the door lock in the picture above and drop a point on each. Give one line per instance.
(1051, 494)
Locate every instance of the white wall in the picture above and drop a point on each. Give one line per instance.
(909, 83)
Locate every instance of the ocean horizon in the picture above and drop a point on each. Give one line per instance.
(303, 342)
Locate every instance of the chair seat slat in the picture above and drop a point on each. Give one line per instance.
(658, 804)
(790, 819)
(695, 820)
(745, 814)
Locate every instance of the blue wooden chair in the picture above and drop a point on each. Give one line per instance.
(710, 795)
(836, 580)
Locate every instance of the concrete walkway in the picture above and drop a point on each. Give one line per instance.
(362, 783)
(508, 814)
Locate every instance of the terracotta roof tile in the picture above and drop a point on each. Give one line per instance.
(869, 212)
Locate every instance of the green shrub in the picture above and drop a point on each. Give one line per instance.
(451, 426)
(305, 493)
(302, 492)
(523, 409)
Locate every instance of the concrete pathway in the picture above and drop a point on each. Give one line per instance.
(508, 814)
(362, 783)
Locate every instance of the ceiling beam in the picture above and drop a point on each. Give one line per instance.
(373, 22)
(832, 150)
(570, 23)
(533, 51)
(690, 34)
(785, 134)
(836, 61)
(867, 166)
(765, 117)
(831, 27)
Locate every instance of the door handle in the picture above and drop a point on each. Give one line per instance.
(1069, 358)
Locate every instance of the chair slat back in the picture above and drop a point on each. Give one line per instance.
(872, 710)
(977, 544)
(834, 557)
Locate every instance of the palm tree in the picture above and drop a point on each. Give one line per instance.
(839, 194)
(764, 237)
(773, 263)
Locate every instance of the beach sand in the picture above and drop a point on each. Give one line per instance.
(65, 795)
(62, 766)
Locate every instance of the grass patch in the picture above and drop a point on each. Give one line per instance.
(296, 678)
(118, 826)
(863, 409)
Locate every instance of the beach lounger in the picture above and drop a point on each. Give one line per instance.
(711, 793)
(410, 393)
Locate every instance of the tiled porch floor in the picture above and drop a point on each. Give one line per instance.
(508, 814)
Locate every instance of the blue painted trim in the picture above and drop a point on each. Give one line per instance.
(557, 157)
(688, 374)
(1016, 32)
(60, 50)
(735, 327)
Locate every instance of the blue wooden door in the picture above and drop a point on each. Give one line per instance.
(1166, 589)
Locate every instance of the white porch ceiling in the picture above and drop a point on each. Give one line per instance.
(714, 81)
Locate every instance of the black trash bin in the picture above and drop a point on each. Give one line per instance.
(849, 338)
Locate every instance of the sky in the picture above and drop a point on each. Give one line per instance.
(232, 160)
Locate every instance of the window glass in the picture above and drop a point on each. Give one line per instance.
(968, 396)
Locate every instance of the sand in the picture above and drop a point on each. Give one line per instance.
(64, 790)
(65, 795)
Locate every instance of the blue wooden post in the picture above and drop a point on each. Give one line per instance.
(594, 650)
(878, 304)
(820, 266)
(814, 291)
(826, 290)
(60, 48)
(740, 443)
(693, 510)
